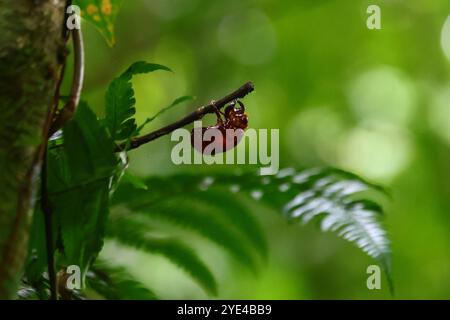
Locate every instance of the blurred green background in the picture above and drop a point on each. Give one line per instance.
(375, 102)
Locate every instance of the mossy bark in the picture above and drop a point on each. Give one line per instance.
(30, 40)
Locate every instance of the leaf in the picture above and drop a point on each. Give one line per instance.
(198, 218)
(232, 210)
(27, 293)
(120, 101)
(142, 67)
(82, 215)
(115, 283)
(36, 262)
(330, 195)
(138, 130)
(88, 149)
(176, 102)
(79, 175)
(134, 233)
(102, 14)
(134, 181)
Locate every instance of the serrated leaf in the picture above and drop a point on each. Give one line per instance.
(328, 194)
(88, 149)
(135, 181)
(176, 102)
(79, 177)
(102, 14)
(197, 217)
(142, 67)
(120, 101)
(134, 233)
(141, 127)
(232, 210)
(115, 283)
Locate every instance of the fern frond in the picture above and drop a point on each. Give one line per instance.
(197, 217)
(134, 233)
(336, 197)
(115, 283)
(230, 208)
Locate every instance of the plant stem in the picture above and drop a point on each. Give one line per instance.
(196, 115)
(67, 113)
(48, 221)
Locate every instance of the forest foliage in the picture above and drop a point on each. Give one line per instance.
(95, 199)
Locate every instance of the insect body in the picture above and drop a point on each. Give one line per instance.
(227, 132)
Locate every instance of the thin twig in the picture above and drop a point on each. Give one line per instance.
(196, 115)
(48, 221)
(68, 111)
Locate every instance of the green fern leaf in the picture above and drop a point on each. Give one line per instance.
(197, 217)
(229, 207)
(120, 101)
(333, 196)
(78, 178)
(134, 233)
(115, 283)
(175, 103)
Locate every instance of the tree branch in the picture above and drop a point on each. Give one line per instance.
(196, 115)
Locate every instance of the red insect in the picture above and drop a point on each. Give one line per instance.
(227, 132)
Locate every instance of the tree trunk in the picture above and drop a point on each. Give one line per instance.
(30, 40)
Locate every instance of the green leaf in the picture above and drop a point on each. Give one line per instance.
(115, 283)
(89, 150)
(333, 197)
(176, 102)
(37, 251)
(142, 67)
(102, 14)
(120, 101)
(134, 233)
(138, 130)
(230, 208)
(135, 181)
(36, 291)
(82, 215)
(79, 175)
(27, 293)
(199, 218)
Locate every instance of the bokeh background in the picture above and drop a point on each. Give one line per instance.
(375, 102)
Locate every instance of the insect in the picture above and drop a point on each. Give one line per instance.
(225, 134)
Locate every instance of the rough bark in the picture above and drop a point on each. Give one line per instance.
(30, 39)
